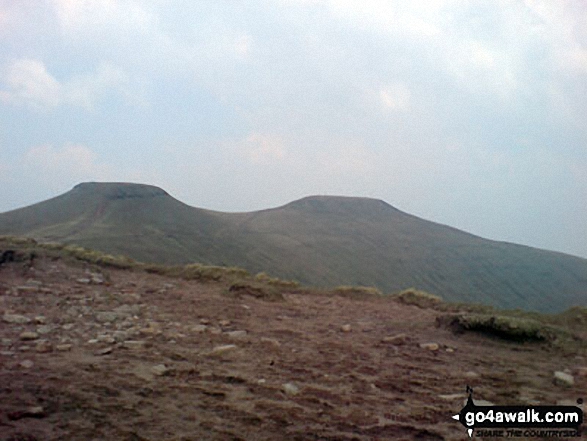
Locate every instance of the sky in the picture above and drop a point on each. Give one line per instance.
(467, 113)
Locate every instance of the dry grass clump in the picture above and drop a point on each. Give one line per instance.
(196, 271)
(418, 298)
(275, 281)
(357, 292)
(18, 240)
(502, 326)
(98, 258)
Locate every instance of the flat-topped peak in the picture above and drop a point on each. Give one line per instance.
(119, 190)
(347, 204)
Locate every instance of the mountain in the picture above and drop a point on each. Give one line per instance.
(318, 240)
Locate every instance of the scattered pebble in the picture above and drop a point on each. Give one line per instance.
(430, 346)
(160, 370)
(346, 328)
(563, 379)
(220, 350)
(104, 351)
(135, 344)
(28, 335)
(290, 389)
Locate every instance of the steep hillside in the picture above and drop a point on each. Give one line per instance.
(319, 240)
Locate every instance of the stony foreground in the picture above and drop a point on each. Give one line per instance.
(88, 353)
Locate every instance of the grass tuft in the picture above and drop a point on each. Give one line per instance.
(357, 292)
(274, 281)
(415, 297)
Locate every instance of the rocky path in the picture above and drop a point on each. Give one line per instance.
(94, 354)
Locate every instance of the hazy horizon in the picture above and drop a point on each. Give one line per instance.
(463, 113)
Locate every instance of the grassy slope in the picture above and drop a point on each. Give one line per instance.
(318, 240)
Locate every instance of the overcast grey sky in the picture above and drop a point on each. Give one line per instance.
(467, 113)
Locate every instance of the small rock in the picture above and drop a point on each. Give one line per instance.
(83, 281)
(563, 379)
(134, 344)
(44, 347)
(290, 389)
(160, 370)
(224, 323)
(582, 371)
(215, 331)
(450, 350)
(7, 353)
(471, 375)
(151, 329)
(27, 364)
(15, 318)
(104, 351)
(105, 338)
(346, 328)
(221, 350)
(237, 334)
(63, 347)
(40, 320)
(204, 321)
(29, 335)
(430, 346)
(399, 339)
(92, 341)
(35, 412)
(6, 342)
(67, 326)
(97, 279)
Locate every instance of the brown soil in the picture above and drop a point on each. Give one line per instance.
(125, 355)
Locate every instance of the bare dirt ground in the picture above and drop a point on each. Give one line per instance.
(88, 353)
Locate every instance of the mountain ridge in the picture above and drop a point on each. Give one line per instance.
(317, 240)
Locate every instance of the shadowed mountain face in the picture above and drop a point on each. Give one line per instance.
(319, 240)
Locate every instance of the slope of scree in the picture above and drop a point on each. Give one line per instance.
(94, 352)
(320, 241)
